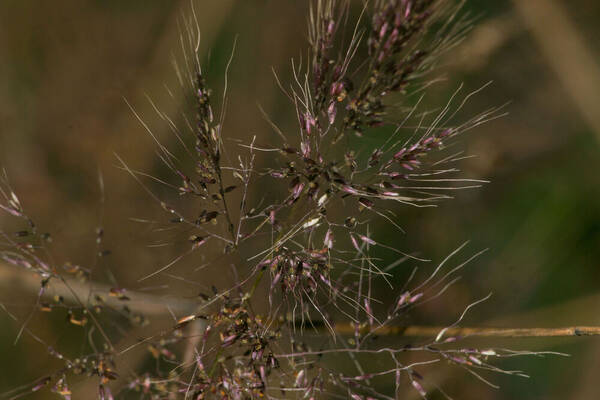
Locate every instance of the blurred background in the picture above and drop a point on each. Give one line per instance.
(66, 68)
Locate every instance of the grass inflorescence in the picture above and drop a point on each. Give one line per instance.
(309, 295)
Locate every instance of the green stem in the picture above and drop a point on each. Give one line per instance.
(214, 366)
